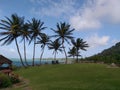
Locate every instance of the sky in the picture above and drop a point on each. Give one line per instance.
(95, 21)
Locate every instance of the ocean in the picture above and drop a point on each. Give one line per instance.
(17, 62)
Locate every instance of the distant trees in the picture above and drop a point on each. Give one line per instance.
(78, 45)
(56, 46)
(72, 52)
(110, 55)
(32, 31)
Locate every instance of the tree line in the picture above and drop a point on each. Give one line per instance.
(32, 31)
(110, 55)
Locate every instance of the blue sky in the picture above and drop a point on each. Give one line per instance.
(95, 21)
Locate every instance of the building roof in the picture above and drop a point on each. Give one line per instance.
(4, 60)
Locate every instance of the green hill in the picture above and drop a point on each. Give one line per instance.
(110, 55)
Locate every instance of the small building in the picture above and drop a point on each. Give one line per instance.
(4, 60)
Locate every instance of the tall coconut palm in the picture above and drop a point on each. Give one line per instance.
(63, 33)
(43, 40)
(79, 44)
(72, 52)
(36, 27)
(12, 27)
(56, 46)
(25, 35)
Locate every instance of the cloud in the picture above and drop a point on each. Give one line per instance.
(95, 41)
(82, 15)
(8, 51)
(81, 23)
(94, 12)
(54, 7)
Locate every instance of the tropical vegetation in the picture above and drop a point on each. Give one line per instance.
(110, 55)
(56, 46)
(63, 33)
(12, 30)
(79, 44)
(15, 28)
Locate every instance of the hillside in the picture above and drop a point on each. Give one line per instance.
(109, 55)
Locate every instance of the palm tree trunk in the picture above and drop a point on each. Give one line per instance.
(55, 57)
(73, 57)
(41, 55)
(25, 53)
(77, 56)
(65, 53)
(34, 52)
(19, 53)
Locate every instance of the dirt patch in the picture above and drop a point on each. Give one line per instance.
(113, 65)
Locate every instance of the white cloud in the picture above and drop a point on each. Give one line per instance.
(8, 51)
(81, 16)
(54, 8)
(97, 41)
(91, 15)
(81, 23)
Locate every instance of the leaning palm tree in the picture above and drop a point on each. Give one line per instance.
(56, 46)
(72, 52)
(79, 44)
(12, 27)
(43, 40)
(63, 33)
(25, 35)
(36, 27)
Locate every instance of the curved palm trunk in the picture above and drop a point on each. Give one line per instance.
(34, 53)
(65, 53)
(19, 53)
(25, 54)
(41, 55)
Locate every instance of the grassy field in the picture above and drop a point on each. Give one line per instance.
(71, 77)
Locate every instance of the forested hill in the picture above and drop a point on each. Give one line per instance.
(109, 55)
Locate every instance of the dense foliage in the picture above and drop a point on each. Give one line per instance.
(110, 55)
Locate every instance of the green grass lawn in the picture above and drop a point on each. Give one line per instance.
(71, 77)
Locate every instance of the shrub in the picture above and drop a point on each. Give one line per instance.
(4, 81)
(14, 78)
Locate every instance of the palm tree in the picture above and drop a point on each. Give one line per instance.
(12, 27)
(36, 27)
(63, 33)
(56, 46)
(43, 40)
(79, 44)
(72, 52)
(25, 35)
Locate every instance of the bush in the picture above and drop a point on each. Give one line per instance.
(4, 81)
(14, 78)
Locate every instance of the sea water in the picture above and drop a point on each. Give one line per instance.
(17, 62)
